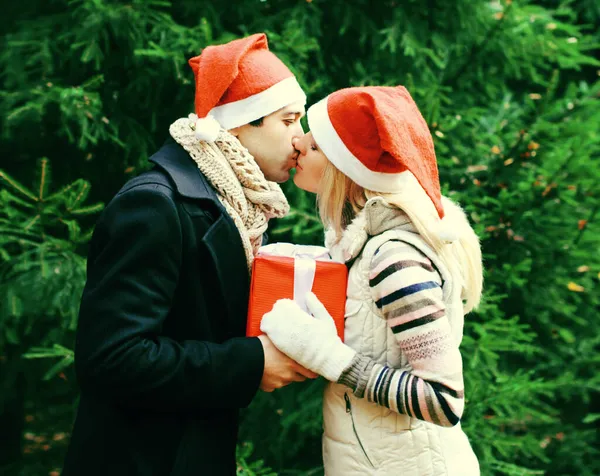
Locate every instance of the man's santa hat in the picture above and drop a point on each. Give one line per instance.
(240, 82)
(377, 136)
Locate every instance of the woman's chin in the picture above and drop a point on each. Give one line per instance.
(298, 182)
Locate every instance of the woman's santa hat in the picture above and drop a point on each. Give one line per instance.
(376, 136)
(240, 82)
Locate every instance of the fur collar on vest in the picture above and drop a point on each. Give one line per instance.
(375, 218)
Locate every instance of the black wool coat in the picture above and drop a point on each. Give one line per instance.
(160, 355)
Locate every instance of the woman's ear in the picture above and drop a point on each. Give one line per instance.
(235, 131)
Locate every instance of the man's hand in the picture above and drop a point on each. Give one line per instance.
(280, 370)
(310, 339)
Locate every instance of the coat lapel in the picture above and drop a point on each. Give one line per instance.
(222, 239)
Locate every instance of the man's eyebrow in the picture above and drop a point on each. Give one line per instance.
(293, 113)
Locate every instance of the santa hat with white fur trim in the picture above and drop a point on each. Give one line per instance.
(375, 135)
(240, 82)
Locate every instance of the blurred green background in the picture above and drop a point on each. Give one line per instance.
(511, 92)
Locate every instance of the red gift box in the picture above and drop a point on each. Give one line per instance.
(284, 270)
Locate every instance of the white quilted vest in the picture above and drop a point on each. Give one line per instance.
(362, 438)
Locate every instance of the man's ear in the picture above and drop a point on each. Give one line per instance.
(235, 131)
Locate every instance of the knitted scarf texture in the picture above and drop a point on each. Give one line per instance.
(249, 198)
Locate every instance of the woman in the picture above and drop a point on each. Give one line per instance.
(396, 397)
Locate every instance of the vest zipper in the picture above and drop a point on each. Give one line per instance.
(349, 410)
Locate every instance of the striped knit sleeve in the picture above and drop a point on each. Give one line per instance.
(407, 289)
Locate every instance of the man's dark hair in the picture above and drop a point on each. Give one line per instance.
(257, 122)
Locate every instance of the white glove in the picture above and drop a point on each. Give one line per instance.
(311, 341)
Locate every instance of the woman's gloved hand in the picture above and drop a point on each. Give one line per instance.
(311, 341)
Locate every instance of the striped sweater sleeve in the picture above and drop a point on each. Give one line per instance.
(407, 289)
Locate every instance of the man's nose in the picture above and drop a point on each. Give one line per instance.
(298, 131)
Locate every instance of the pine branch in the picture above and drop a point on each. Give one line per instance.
(478, 49)
(44, 172)
(17, 186)
(589, 220)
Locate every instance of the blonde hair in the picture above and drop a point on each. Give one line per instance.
(340, 199)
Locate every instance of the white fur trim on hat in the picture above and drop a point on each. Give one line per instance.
(250, 109)
(336, 151)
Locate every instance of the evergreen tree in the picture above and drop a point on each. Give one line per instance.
(510, 91)
(41, 279)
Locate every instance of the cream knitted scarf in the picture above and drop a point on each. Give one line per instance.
(249, 198)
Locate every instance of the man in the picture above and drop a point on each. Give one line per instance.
(160, 355)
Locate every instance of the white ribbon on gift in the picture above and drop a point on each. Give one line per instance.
(305, 265)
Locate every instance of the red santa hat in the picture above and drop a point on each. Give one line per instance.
(376, 135)
(240, 82)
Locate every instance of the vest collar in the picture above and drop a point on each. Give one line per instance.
(375, 218)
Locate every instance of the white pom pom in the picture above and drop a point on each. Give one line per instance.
(207, 129)
(448, 236)
(448, 232)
